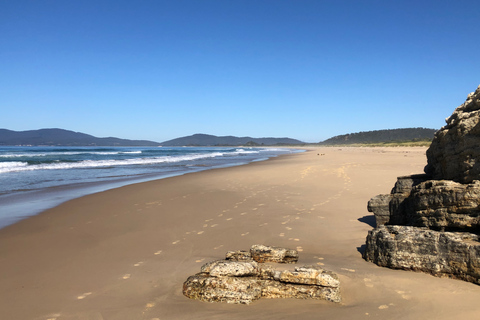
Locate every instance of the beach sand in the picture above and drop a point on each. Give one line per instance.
(125, 253)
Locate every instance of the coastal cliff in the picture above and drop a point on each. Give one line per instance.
(430, 222)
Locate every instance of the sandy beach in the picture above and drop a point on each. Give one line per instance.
(125, 253)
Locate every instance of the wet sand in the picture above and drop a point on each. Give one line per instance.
(125, 253)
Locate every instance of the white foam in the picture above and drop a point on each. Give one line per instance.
(11, 166)
(23, 166)
(66, 153)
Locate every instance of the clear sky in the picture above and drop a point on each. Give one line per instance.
(305, 69)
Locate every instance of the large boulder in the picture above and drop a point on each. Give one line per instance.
(455, 150)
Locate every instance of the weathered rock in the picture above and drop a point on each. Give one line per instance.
(443, 254)
(310, 275)
(454, 153)
(392, 208)
(437, 204)
(227, 268)
(261, 253)
(203, 287)
(413, 218)
(275, 289)
(240, 255)
(445, 204)
(243, 281)
(405, 184)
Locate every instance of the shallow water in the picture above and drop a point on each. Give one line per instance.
(33, 179)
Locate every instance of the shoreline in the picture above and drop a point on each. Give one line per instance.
(124, 253)
(13, 206)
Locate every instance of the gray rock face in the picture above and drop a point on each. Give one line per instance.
(412, 219)
(454, 153)
(437, 204)
(242, 280)
(443, 254)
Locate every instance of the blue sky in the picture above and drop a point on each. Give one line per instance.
(305, 69)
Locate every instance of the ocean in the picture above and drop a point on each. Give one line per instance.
(33, 179)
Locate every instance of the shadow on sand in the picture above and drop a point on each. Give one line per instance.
(370, 220)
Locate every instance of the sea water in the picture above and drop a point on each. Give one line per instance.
(33, 179)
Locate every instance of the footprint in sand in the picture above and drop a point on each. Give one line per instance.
(126, 276)
(243, 213)
(368, 282)
(220, 215)
(205, 225)
(263, 224)
(320, 263)
(281, 235)
(229, 219)
(83, 296)
(200, 232)
(175, 242)
(158, 252)
(403, 294)
(53, 316)
(383, 306)
(138, 264)
(288, 228)
(254, 209)
(216, 248)
(299, 249)
(213, 225)
(244, 234)
(199, 260)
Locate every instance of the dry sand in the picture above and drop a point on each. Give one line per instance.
(125, 253)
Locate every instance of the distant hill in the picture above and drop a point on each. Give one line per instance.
(381, 136)
(60, 137)
(209, 140)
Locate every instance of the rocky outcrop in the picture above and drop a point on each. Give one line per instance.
(454, 153)
(436, 204)
(241, 279)
(443, 254)
(414, 219)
